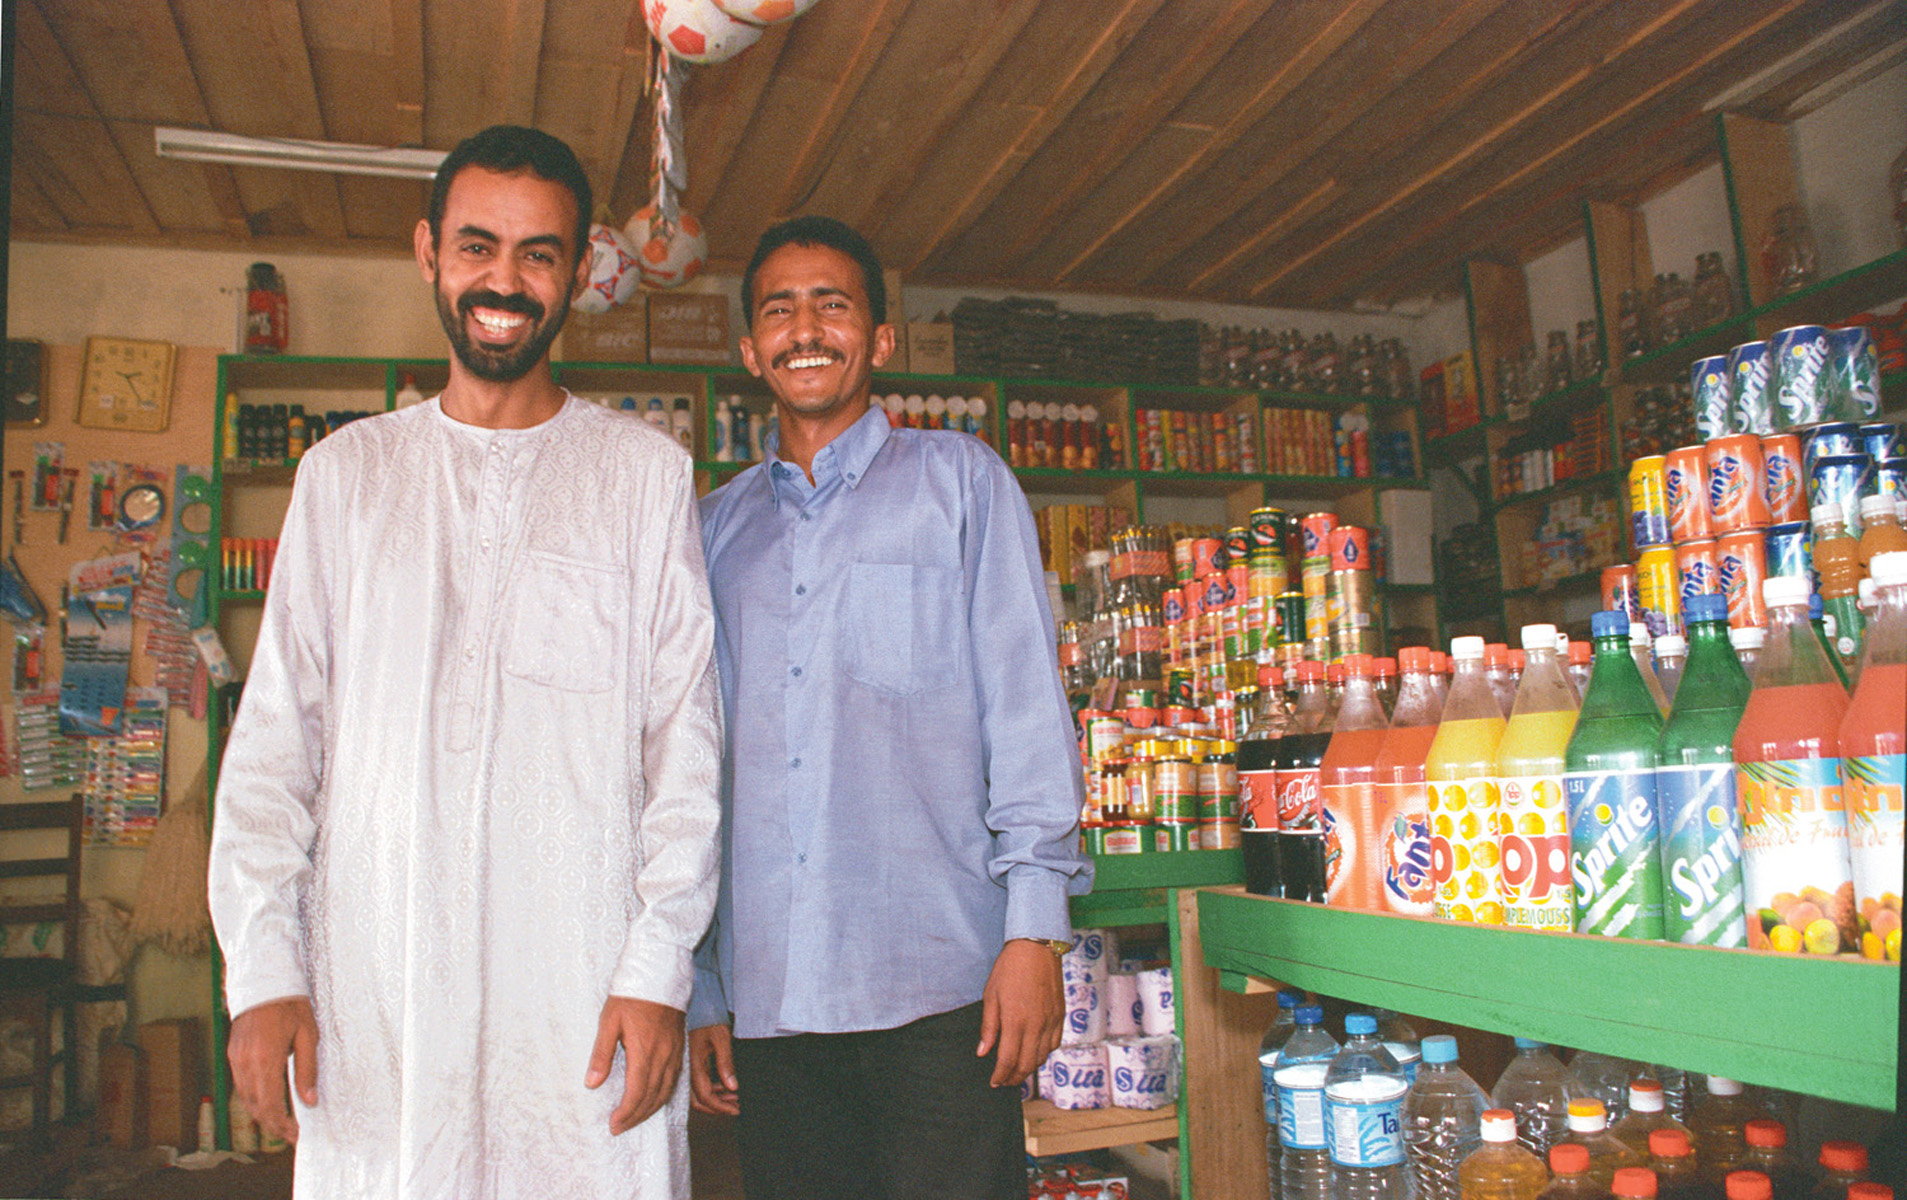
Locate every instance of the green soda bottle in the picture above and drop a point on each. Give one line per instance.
(1609, 785)
(1695, 787)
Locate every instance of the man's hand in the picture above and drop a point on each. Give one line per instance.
(262, 1038)
(651, 1038)
(712, 1084)
(1021, 1010)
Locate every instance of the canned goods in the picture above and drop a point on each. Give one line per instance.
(1142, 795)
(1237, 546)
(1125, 838)
(1267, 526)
(1207, 552)
(1890, 479)
(1291, 618)
(1842, 479)
(1697, 572)
(1649, 501)
(1218, 592)
(1750, 368)
(1183, 559)
(1350, 548)
(1881, 442)
(1178, 716)
(1743, 561)
(1659, 590)
(1316, 529)
(1105, 735)
(1713, 397)
(1171, 836)
(1788, 549)
(1839, 437)
(1094, 838)
(1737, 493)
(1217, 787)
(1685, 483)
(1854, 372)
(1219, 835)
(1800, 355)
(1783, 481)
(1619, 591)
(1192, 599)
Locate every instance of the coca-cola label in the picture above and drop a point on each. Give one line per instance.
(1300, 799)
(1258, 799)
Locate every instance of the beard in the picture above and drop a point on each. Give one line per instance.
(506, 364)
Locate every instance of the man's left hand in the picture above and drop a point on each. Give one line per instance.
(651, 1038)
(1021, 1010)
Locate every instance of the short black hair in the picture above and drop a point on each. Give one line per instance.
(507, 149)
(818, 231)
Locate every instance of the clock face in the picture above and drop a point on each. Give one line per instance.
(126, 384)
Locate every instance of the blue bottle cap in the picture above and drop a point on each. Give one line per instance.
(1530, 1044)
(1609, 624)
(1310, 1014)
(1705, 608)
(1358, 1023)
(1816, 609)
(1287, 999)
(1440, 1048)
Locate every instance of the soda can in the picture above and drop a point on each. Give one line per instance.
(1883, 441)
(1267, 527)
(1317, 528)
(1750, 367)
(1854, 367)
(1290, 618)
(1839, 437)
(1649, 501)
(1350, 548)
(1788, 549)
(1737, 493)
(1714, 397)
(1659, 589)
(1743, 563)
(1184, 565)
(1206, 555)
(1619, 591)
(1841, 479)
(1783, 481)
(1685, 481)
(1192, 599)
(1890, 479)
(1697, 571)
(1801, 368)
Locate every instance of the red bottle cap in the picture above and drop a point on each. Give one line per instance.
(1310, 672)
(1638, 1183)
(1767, 1132)
(1669, 1143)
(1517, 660)
(1386, 668)
(1579, 653)
(1496, 654)
(1844, 1156)
(1569, 1158)
(1335, 672)
(1869, 1190)
(1361, 665)
(1748, 1185)
(1414, 658)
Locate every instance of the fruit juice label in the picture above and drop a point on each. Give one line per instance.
(1797, 880)
(1533, 844)
(1410, 878)
(1366, 1118)
(1701, 855)
(1613, 852)
(1873, 786)
(1463, 851)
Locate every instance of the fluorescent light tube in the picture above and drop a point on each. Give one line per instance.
(297, 154)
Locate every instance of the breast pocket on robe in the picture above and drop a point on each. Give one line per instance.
(904, 622)
(570, 618)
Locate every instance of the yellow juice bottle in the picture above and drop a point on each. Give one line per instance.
(1532, 819)
(1461, 773)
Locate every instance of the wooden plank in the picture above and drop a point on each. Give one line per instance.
(45, 81)
(32, 214)
(720, 103)
(407, 72)
(1619, 259)
(179, 194)
(1759, 160)
(590, 84)
(1223, 1091)
(78, 167)
(480, 66)
(1051, 1130)
(129, 55)
(1499, 322)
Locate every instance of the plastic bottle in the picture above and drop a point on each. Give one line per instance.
(1720, 1125)
(1880, 529)
(1873, 740)
(1300, 837)
(1839, 566)
(1258, 785)
(724, 448)
(1606, 1078)
(1347, 776)
(1384, 673)
(1304, 1169)
(1633, 1183)
(1499, 1168)
(1581, 660)
(1403, 795)
(1796, 875)
(1537, 1088)
(1401, 1040)
(1818, 618)
(1672, 1158)
(1699, 824)
(1843, 1164)
(1569, 1166)
(1615, 848)
(1767, 1152)
(1639, 644)
(1364, 1094)
(1443, 1117)
(1461, 770)
(1648, 1112)
(1671, 655)
(1747, 642)
(1747, 1185)
(1282, 1027)
(409, 393)
(682, 424)
(1496, 664)
(1533, 823)
(1589, 1128)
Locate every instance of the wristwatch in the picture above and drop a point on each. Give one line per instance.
(1060, 949)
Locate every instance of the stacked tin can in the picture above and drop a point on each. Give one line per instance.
(1157, 782)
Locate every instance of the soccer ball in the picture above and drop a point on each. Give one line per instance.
(698, 31)
(667, 262)
(613, 271)
(764, 12)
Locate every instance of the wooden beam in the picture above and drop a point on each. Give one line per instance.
(807, 163)
(407, 72)
(32, 215)
(480, 66)
(78, 167)
(590, 83)
(720, 105)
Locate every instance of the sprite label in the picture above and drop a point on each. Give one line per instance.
(1613, 853)
(1701, 855)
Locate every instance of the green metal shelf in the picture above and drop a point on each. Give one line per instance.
(1826, 1027)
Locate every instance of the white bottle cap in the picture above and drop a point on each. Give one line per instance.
(1089, 413)
(1562, 644)
(1052, 410)
(1587, 1116)
(935, 405)
(956, 406)
(976, 406)
(1539, 637)
(1822, 513)
(916, 405)
(1748, 637)
(1638, 634)
(1889, 569)
(1645, 1095)
(1466, 647)
(1876, 506)
(1671, 644)
(1720, 1086)
(1499, 1125)
(1786, 591)
(1098, 558)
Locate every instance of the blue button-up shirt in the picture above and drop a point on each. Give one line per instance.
(901, 783)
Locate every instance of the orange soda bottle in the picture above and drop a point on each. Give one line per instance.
(1402, 849)
(1348, 779)
(1874, 765)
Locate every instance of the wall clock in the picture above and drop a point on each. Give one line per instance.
(126, 384)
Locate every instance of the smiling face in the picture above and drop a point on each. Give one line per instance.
(504, 269)
(813, 339)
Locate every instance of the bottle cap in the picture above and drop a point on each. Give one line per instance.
(1889, 569)
(1289, 999)
(1334, 672)
(1749, 637)
(1499, 1125)
(1821, 514)
(1524, 1043)
(1414, 659)
(1645, 1095)
(1766, 1132)
(1609, 624)
(1817, 607)
(1587, 1116)
(1672, 644)
(1496, 654)
(1361, 665)
(1310, 672)
(1440, 1048)
(1784, 591)
(1638, 633)
(1098, 558)
(1539, 637)
(1705, 608)
(1466, 647)
(1517, 660)
(1562, 642)
(1440, 662)
(1721, 1085)
(1569, 1158)
(1360, 1023)
(1867, 1189)
(1876, 506)
(1637, 1183)
(1384, 668)
(1843, 1156)
(1748, 1185)
(1310, 1014)
(1669, 1143)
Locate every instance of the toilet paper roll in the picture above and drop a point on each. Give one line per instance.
(1122, 1005)
(1076, 1077)
(1143, 1072)
(1155, 1002)
(1091, 957)
(1030, 1087)
(1085, 1014)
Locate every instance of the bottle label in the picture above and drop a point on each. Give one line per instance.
(1300, 799)
(1269, 1086)
(1701, 855)
(1301, 1106)
(1534, 845)
(1463, 851)
(1874, 786)
(1794, 861)
(1367, 1122)
(1410, 883)
(1615, 853)
(1258, 799)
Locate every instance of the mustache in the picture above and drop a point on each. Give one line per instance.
(794, 352)
(517, 303)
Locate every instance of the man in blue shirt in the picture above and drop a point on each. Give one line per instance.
(901, 783)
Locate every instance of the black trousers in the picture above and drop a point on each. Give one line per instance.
(888, 1114)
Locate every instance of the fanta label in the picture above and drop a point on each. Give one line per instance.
(1701, 855)
(1784, 485)
(1410, 883)
(1534, 843)
(1366, 1117)
(1873, 786)
(1728, 489)
(1613, 853)
(1796, 876)
(1698, 579)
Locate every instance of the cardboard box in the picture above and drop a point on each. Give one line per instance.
(1462, 408)
(172, 1058)
(620, 335)
(930, 348)
(689, 328)
(122, 1096)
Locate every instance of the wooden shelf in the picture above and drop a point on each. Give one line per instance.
(1130, 889)
(1051, 1130)
(1568, 583)
(1820, 1026)
(1581, 483)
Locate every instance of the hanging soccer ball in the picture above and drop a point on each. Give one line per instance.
(613, 271)
(698, 31)
(764, 12)
(671, 260)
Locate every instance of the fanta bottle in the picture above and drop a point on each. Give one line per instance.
(1532, 822)
(1796, 875)
(1500, 1169)
(1571, 1180)
(1639, 643)
(1873, 739)
(1610, 789)
(1402, 847)
(1880, 529)
(1496, 664)
(1348, 778)
(1461, 771)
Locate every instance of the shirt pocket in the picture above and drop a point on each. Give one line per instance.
(569, 623)
(903, 623)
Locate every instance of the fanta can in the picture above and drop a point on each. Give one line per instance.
(1737, 495)
(1785, 480)
(1697, 569)
(1741, 564)
(1685, 480)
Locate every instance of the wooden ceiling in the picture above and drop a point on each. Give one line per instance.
(1305, 153)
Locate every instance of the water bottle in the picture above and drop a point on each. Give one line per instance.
(1400, 1039)
(1304, 1168)
(1280, 1032)
(1606, 1078)
(1537, 1088)
(1364, 1093)
(1443, 1120)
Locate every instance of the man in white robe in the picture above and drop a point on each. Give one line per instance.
(466, 820)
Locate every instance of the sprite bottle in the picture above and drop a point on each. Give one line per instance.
(1695, 787)
(1609, 783)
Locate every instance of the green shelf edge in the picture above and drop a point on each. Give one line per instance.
(1819, 1026)
(1133, 889)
